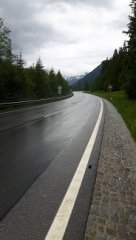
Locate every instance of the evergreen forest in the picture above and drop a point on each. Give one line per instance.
(20, 82)
(120, 70)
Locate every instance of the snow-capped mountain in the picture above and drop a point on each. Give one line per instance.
(73, 79)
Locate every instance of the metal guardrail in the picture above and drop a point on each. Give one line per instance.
(30, 102)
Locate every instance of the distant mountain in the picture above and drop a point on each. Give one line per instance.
(88, 78)
(73, 79)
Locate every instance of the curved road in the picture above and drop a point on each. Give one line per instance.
(44, 145)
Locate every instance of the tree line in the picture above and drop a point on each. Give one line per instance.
(20, 82)
(120, 70)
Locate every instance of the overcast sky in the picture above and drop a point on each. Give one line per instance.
(71, 35)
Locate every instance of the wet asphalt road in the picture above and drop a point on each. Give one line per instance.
(31, 139)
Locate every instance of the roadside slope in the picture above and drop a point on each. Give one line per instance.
(113, 209)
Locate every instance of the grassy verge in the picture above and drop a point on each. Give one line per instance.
(126, 107)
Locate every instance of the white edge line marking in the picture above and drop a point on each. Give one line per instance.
(58, 227)
(52, 113)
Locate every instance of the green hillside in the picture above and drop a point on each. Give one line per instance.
(85, 82)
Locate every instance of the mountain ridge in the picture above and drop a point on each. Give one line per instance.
(73, 79)
(87, 79)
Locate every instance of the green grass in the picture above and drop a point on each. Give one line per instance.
(126, 107)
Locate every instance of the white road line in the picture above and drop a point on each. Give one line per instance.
(60, 222)
(51, 114)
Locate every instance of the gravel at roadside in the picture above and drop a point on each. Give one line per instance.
(113, 210)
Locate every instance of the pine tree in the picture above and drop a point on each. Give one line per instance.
(41, 80)
(132, 30)
(53, 82)
(20, 77)
(6, 61)
(5, 43)
(130, 86)
(62, 82)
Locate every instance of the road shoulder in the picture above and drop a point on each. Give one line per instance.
(113, 210)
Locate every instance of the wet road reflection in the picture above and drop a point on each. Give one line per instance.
(30, 139)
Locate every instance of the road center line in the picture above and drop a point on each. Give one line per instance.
(52, 113)
(60, 222)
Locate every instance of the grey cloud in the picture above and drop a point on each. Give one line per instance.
(16, 10)
(26, 33)
(118, 24)
(96, 3)
(27, 38)
(33, 36)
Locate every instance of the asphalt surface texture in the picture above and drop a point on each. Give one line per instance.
(40, 150)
